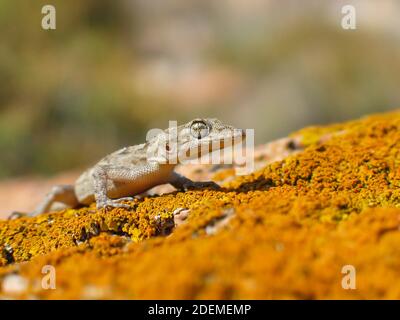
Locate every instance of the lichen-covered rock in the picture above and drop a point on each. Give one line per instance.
(285, 231)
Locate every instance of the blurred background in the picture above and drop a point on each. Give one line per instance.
(114, 69)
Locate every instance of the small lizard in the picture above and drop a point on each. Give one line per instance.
(133, 170)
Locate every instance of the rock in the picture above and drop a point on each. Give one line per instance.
(324, 198)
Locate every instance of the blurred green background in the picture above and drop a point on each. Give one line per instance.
(114, 69)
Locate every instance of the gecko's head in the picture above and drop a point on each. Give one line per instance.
(192, 141)
(201, 136)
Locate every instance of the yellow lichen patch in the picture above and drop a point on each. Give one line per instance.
(285, 231)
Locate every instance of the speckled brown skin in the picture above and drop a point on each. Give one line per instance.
(135, 169)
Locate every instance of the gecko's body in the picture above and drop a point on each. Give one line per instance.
(140, 174)
(135, 169)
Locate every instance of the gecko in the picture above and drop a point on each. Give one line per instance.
(132, 170)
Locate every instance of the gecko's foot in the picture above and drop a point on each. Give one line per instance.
(16, 214)
(201, 185)
(115, 203)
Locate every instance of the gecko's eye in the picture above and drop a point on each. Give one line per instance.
(199, 129)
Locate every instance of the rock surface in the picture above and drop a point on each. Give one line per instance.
(286, 231)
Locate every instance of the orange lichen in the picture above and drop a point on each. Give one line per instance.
(285, 231)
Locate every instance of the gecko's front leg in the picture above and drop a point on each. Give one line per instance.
(102, 174)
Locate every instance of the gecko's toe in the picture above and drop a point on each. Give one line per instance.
(113, 204)
(16, 214)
